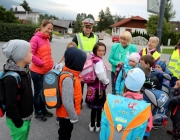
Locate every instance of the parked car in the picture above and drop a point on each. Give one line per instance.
(115, 38)
(100, 36)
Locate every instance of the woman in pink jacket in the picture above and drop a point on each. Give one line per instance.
(41, 63)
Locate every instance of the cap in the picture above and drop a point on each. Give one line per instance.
(88, 21)
(134, 57)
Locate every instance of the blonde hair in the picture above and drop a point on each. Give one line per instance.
(71, 44)
(154, 38)
(127, 35)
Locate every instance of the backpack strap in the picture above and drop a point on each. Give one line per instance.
(15, 75)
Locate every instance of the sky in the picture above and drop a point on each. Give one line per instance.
(68, 9)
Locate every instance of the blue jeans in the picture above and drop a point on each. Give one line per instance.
(112, 82)
(37, 78)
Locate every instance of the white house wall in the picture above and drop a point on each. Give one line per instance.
(119, 30)
(70, 30)
(34, 17)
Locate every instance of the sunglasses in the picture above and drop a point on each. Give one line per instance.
(88, 27)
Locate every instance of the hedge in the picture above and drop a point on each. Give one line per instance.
(10, 31)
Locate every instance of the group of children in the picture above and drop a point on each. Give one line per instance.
(131, 79)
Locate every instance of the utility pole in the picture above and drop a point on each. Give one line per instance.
(160, 23)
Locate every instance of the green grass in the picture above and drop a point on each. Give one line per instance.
(168, 51)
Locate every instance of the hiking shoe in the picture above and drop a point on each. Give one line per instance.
(40, 117)
(47, 114)
(170, 132)
(97, 129)
(91, 129)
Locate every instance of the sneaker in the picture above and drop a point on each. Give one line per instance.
(97, 129)
(170, 132)
(40, 117)
(91, 129)
(47, 113)
(57, 120)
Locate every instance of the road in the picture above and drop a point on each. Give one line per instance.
(48, 130)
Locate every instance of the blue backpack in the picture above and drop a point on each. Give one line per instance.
(124, 118)
(2, 92)
(163, 80)
(160, 101)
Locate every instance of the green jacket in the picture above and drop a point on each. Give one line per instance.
(119, 54)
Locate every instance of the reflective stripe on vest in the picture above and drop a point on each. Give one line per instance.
(174, 63)
(86, 44)
(155, 55)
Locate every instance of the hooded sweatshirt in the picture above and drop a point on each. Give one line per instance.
(17, 109)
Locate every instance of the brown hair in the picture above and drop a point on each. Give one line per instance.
(96, 46)
(148, 59)
(71, 44)
(43, 24)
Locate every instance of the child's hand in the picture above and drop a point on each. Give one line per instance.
(177, 84)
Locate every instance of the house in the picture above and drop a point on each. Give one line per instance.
(176, 25)
(129, 24)
(63, 26)
(24, 15)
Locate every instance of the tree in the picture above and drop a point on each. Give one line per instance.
(117, 18)
(169, 13)
(108, 18)
(152, 26)
(7, 16)
(25, 5)
(100, 24)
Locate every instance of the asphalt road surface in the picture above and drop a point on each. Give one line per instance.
(49, 130)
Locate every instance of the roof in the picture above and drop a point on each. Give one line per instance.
(177, 24)
(18, 8)
(62, 23)
(124, 21)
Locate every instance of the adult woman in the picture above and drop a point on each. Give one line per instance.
(41, 63)
(119, 52)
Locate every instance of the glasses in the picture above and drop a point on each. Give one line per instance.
(88, 27)
(101, 51)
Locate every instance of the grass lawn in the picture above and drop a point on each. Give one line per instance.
(168, 51)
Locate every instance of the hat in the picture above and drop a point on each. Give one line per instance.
(16, 49)
(75, 62)
(135, 79)
(88, 21)
(161, 64)
(134, 57)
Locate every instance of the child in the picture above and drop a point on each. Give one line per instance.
(71, 93)
(133, 83)
(69, 45)
(161, 66)
(175, 109)
(151, 49)
(19, 100)
(96, 95)
(129, 64)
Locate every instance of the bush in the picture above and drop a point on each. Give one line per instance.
(109, 31)
(56, 33)
(9, 31)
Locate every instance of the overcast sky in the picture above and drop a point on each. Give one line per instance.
(69, 8)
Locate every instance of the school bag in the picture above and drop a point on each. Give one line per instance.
(88, 74)
(124, 118)
(118, 69)
(2, 90)
(51, 89)
(163, 80)
(160, 101)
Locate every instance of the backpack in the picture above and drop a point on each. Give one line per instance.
(2, 90)
(124, 118)
(118, 69)
(163, 80)
(160, 101)
(51, 89)
(88, 74)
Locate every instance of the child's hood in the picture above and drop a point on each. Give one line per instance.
(133, 95)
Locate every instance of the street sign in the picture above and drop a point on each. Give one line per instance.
(153, 6)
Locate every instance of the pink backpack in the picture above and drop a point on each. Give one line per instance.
(88, 74)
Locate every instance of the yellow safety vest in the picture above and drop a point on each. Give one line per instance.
(155, 55)
(174, 63)
(86, 44)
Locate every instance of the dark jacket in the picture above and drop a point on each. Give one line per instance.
(19, 100)
(175, 101)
